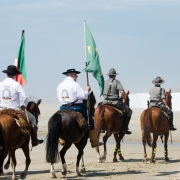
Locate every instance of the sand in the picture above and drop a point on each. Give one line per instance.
(132, 149)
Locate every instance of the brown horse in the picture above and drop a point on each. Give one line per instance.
(12, 139)
(63, 125)
(153, 120)
(107, 117)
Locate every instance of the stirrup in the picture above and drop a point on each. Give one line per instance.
(172, 128)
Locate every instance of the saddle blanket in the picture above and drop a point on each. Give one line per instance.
(21, 121)
(79, 118)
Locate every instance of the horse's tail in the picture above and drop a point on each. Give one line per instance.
(99, 120)
(147, 125)
(1, 143)
(52, 138)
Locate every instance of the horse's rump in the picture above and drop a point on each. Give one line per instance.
(81, 121)
(21, 121)
(108, 117)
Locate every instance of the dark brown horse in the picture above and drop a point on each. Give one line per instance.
(153, 120)
(12, 139)
(65, 126)
(107, 117)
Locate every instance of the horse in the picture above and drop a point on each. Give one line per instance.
(12, 139)
(107, 117)
(153, 120)
(65, 126)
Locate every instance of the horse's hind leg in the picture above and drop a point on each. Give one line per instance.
(107, 135)
(166, 135)
(62, 154)
(28, 161)
(121, 135)
(13, 162)
(6, 166)
(116, 136)
(155, 137)
(52, 171)
(144, 146)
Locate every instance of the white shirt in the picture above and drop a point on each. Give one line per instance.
(10, 92)
(69, 90)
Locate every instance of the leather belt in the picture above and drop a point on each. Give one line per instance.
(153, 101)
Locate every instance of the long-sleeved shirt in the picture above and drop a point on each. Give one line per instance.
(69, 90)
(10, 94)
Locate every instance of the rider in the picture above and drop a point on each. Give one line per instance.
(69, 91)
(157, 98)
(10, 93)
(112, 88)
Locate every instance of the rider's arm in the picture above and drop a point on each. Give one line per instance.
(22, 94)
(164, 101)
(122, 95)
(80, 93)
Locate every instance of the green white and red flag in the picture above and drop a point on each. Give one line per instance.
(20, 61)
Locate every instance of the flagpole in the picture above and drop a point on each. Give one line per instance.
(87, 77)
(22, 33)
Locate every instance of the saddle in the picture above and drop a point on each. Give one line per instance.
(21, 120)
(165, 113)
(79, 119)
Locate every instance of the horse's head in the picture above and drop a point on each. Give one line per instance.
(92, 102)
(33, 108)
(168, 98)
(126, 98)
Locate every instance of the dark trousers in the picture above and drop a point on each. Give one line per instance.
(83, 111)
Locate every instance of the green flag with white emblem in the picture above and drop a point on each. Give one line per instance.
(92, 58)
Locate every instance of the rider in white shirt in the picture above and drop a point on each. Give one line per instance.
(69, 91)
(10, 93)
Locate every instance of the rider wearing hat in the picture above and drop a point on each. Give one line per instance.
(157, 98)
(112, 89)
(10, 93)
(69, 91)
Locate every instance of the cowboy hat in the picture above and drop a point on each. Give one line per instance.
(158, 81)
(12, 70)
(71, 71)
(112, 72)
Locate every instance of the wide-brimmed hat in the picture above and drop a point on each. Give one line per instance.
(12, 70)
(112, 71)
(158, 81)
(71, 71)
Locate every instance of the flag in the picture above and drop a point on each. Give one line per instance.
(92, 58)
(20, 62)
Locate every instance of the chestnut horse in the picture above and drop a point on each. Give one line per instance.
(153, 120)
(12, 139)
(65, 126)
(107, 117)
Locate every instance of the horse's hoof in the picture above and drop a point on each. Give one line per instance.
(115, 160)
(23, 175)
(121, 158)
(14, 178)
(144, 160)
(53, 174)
(79, 175)
(6, 166)
(99, 161)
(64, 173)
(152, 161)
(83, 170)
(166, 159)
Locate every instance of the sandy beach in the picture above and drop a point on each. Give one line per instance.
(132, 150)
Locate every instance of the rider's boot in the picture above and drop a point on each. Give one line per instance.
(62, 142)
(172, 128)
(1, 147)
(34, 139)
(94, 139)
(127, 120)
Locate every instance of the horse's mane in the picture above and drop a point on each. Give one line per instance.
(92, 103)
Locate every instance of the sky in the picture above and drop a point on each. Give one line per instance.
(140, 39)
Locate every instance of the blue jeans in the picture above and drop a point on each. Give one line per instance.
(83, 111)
